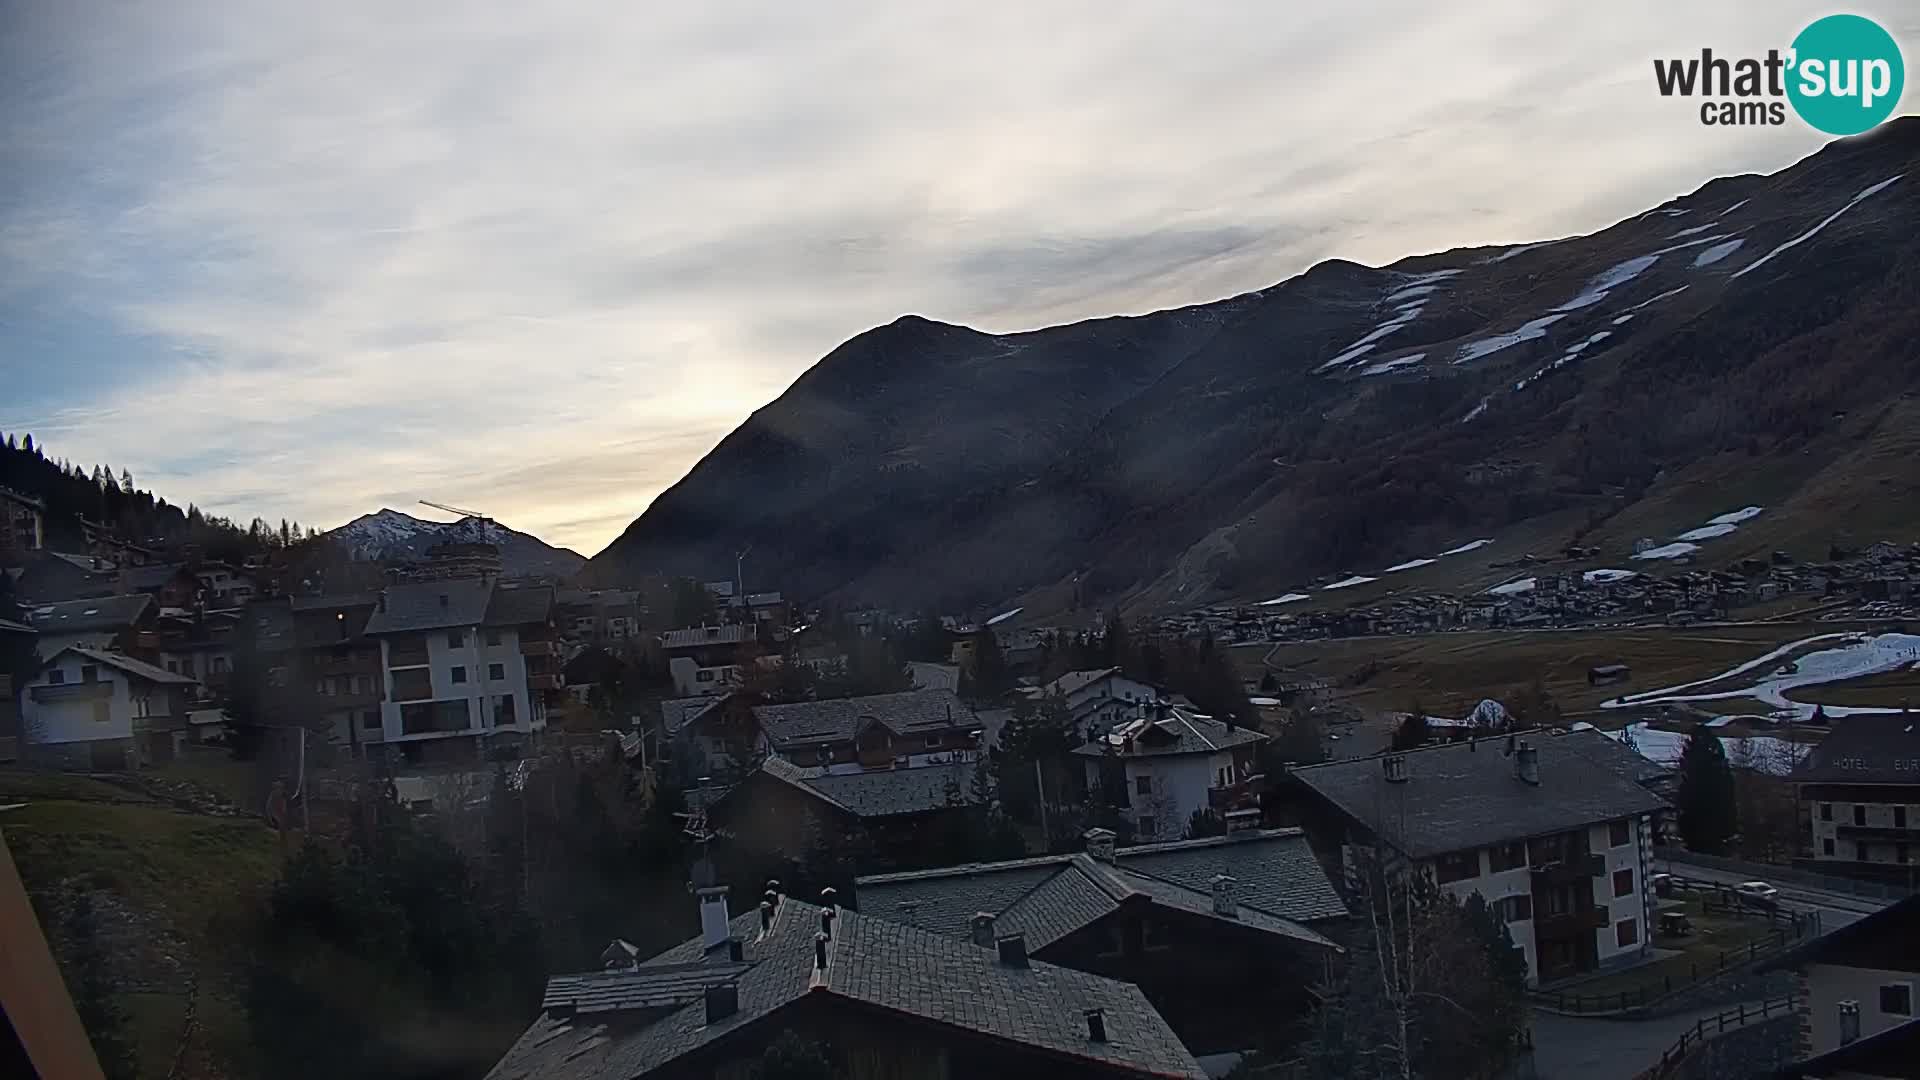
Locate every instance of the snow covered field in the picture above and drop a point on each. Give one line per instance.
(1856, 654)
(1762, 752)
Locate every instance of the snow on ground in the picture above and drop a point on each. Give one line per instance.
(1623, 320)
(1352, 354)
(1292, 597)
(1601, 577)
(1518, 249)
(1474, 350)
(1515, 588)
(1403, 315)
(1409, 292)
(1410, 564)
(1263, 702)
(1763, 752)
(1717, 252)
(1668, 551)
(1695, 242)
(1566, 358)
(1734, 207)
(1865, 193)
(1656, 299)
(1464, 548)
(1611, 279)
(1707, 532)
(1357, 579)
(1735, 517)
(1392, 365)
(1431, 276)
(1474, 413)
(1695, 231)
(1859, 655)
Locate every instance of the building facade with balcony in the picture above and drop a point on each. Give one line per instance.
(1551, 830)
(706, 659)
(1861, 788)
(94, 709)
(463, 663)
(1163, 764)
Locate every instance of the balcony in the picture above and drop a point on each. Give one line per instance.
(547, 681)
(539, 647)
(1571, 871)
(398, 658)
(358, 664)
(80, 691)
(1907, 833)
(1570, 924)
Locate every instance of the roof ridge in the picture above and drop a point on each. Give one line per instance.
(1104, 877)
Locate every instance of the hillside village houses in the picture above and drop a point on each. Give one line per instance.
(703, 659)
(1166, 763)
(1861, 787)
(1555, 831)
(1856, 992)
(89, 708)
(23, 524)
(1099, 698)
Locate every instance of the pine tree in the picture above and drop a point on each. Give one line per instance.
(1706, 797)
(26, 444)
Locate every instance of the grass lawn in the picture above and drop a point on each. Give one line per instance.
(1713, 936)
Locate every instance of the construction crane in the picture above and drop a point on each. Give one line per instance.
(484, 520)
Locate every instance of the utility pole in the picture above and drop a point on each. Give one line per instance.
(1040, 788)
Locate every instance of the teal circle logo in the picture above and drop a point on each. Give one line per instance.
(1846, 76)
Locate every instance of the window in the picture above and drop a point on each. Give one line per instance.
(1897, 999)
(459, 674)
(703, 675)
(1143, 785)
(1859, 814)
(1900, 852)
(1143, 829)
(496, 672)
(933, 742)
(89, 673)
(1507, 856)
(1826, 811)
(55, 676)
(1457, 866)
(503, 709)
(1860, 851)
(1516, 908)
(1626, 932)
(173, 666)
(493, 637)
(456, 639)
(1623, 883)
(102, 711)
(219, 665)
(1899, 817)
(1826, 846)
(1619, 833)
(370, 718)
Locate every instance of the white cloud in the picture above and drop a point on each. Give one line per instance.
(539, 258)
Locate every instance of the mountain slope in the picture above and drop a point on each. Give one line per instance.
(1346, 416)
(390, 534)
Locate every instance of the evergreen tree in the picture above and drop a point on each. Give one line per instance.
(1301, 739)
(1116, 646)
(26, 444)
(1706, 796)
(1204, 823)
(1412, 731)
(989, 678)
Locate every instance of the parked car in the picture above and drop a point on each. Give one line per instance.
(1758, 894)
(1663, 884)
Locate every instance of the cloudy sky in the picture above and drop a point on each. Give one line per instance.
(308, 259)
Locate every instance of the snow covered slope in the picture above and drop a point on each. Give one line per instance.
(390, 534)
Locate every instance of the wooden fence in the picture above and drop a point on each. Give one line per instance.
(1695, 1037)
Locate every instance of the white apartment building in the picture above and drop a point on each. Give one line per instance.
(1099, 698)
(94, 709)
(462, 661)
(1165, 763)
(1555, 831)
(1861, 787)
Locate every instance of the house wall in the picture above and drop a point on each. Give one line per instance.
(1883, 807)
(69, 721)
(1179, 785)
(1494, 887)
(1828, 985)
(691, 678)
(480, 693)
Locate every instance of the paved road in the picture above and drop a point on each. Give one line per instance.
(1836, 909)
(1575, 1048)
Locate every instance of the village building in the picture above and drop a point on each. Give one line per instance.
(1099, 698)
(1856, 991)
(23, 522)
(1165, 764)
(122, 624)
(1861, 785)
(92, 709)
(1550, 830)
(879, 731)
(705, 659)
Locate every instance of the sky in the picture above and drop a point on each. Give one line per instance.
(307, 260)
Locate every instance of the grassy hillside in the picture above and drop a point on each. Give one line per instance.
(167, 886)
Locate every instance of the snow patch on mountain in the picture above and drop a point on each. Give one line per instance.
(1471, 545)
(1717, 252)
(1735, 517)
(1395, 364)
(1866, 193)
(1707, 532)
(390, 534)
(1357, 579)
(1695, 231)
(1668, 551)
(1410, 564)
(1485, 347)
(1609, 280)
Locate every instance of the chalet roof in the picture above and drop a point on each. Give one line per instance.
(1466, 795)
(519, 606)
(1872, 748)
(693, 637)
(144, 578)
(431, 605)
(1178, 731)
(80, 616)
(876, 969)
(878, 792)
(676, 713)
(1275, 874)
(139, 669)
(1074, 681)
(837, 719)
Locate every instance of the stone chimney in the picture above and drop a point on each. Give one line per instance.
(1224, 902)
(714, 929)
(1396, 768)
(1526, 763)
(1100, 844)
(1013, 951)
(983, 929)
(1849, 1022)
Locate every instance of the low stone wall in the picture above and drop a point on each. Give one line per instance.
(1756, 1049)
(1731, 989)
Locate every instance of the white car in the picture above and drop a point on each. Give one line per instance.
(1758, 893)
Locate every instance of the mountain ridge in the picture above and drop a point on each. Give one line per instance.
(393, 534)
(927, 462)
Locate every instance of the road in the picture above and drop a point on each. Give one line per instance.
(1587, 1048)
(1836, 909)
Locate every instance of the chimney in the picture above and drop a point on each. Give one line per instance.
(1849, 1022)
(1224, 903)
(722, 1002)
(826, 896)
(826, 923)
(1526, 763)
(1100, 844)
(1013, 951)
(983, 929)
(766, 916)
(908, 908)
(713, 915)
(1096, 1025)
(1396, 768)
(380, 603)
(820, 952)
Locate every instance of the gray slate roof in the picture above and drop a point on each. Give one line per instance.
(1465, 795)
(835, 720)
(1867, 749)
(878, 792)
(143, 578)
(694, 637)
(872, 964)
(648, 987)
(675, 713)
(519, 606)
(431, 605)
(1275, 873)
(139, 669)
(1180, 732)
(79, 616)
(1077, 680)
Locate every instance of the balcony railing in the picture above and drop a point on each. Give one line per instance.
(539, 647)
(1571, 871)
(1568, 924)
(406, 658)
(1904, 833)
(548, 681)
